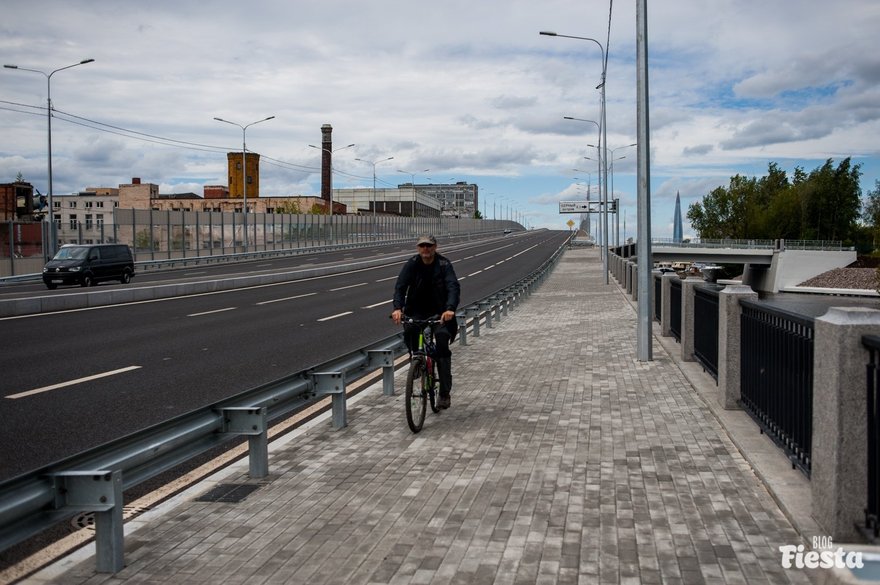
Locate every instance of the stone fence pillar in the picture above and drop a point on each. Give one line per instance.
(629, 277)
(840, 447)
(729, 342)
(687, 317)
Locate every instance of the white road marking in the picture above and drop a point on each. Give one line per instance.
(71, 383)
(285, 299)
(379, 304)
(349, 286)
(384, 279)
(212, 312)
(475, 273)
(335, 316)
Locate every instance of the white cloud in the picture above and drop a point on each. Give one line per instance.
(467, 89)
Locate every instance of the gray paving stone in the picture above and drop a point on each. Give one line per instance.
(562, 460)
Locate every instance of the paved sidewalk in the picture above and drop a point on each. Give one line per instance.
(562, 460)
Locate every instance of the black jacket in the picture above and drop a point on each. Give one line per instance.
(445, 290)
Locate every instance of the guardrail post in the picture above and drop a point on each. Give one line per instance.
(474, 314)
(505, 304)
(486, 307)
(383, 358)
(333, 383)
(250, 421)
(98, 491)
(462, 327)
(730, 342)
(839, 477)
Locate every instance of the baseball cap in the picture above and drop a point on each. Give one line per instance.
(427, 239)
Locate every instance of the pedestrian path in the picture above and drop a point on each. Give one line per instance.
(562, 460)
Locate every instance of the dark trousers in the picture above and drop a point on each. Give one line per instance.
(443, 336)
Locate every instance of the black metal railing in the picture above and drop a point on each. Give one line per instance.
(658, 298)
(776, 384)
(675, 308)
(706, 328)
(872, 509)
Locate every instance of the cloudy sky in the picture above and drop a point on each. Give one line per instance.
(466, 89)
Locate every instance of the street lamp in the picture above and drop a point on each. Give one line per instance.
(603, 137)
(330, 152)
(374, 163)
(413, 183)
(53, 237)
(244, 168)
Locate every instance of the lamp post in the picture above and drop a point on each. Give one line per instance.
(413, 183)
(603, 138)
(330, 152)
(374, 163)
(244, 169)
(53, 236)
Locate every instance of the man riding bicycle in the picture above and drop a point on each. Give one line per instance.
(427, 286)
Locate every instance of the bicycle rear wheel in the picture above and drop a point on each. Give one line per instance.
(416, 396)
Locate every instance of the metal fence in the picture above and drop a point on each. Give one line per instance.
(167, 235)
(872, 507)
(675, 308)
(777, 377)
(706, 328)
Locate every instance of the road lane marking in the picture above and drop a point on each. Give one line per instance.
(384, 279)
(335, 316)
(349, 286)
(475, 273)
(285, 299)
(379, 304)
(72, 382)
(212, 312)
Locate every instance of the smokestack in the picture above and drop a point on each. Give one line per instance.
(326, 163)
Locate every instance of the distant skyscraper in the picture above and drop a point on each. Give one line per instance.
(676, 221)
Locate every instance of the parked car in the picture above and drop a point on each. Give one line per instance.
(86, 265)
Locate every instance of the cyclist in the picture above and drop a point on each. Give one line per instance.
(427, 286)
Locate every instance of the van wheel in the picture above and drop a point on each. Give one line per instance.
(88, 280)
(126, 277)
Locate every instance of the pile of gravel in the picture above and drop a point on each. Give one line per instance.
(862, 278)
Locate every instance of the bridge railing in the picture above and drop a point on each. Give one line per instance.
(94, 481)
(803, 380)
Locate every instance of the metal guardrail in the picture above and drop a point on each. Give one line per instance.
(777, 377)
(781, 244)
(94, 481)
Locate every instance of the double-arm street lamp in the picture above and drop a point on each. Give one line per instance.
(603, 137)
(413, 183)
(374, 163)
(244, 169)
(330, 153)
(53, 237)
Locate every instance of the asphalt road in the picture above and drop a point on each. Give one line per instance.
(76, 379)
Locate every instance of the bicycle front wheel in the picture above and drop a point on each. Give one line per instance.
(416, 398)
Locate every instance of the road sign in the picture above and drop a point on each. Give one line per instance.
(585, 207)
(570, 223)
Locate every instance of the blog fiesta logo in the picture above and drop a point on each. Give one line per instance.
(823, 556)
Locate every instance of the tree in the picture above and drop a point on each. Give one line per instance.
(291, 207)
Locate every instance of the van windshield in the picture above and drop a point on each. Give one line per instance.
(71, 254)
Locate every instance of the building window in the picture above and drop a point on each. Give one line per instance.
(116, 204)
(73, 222)
(99, 220)
(89, 204)
(89, 223)
(99, 204)
(71, 204)
(57, 219)
(56, 203)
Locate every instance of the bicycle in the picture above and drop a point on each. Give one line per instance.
(421, 379)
